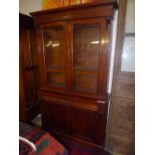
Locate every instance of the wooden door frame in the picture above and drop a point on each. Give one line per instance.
(120, 41)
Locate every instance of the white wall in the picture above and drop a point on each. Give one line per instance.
(27, 6)
(130, 17)
(113, 46)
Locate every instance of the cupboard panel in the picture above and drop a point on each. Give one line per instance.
(55, 116)
(82, 124)
(25, 36)
(29, 87)
(28, 67)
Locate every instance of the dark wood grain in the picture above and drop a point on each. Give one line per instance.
(28, 70)
(94, 10)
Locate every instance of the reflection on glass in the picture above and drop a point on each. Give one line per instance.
(95, 42)
(52, 44)
(86, 47)
(54, 49)
(128, 55)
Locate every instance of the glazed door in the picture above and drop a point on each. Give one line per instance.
(54, 54)
(74, 56)
(88, 55)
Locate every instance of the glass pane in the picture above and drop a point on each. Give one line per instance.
(128, 55)
(85, 81)
(55, 79)
(86, 46)
(54, 49)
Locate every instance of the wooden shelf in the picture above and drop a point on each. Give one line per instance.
(59, 85)
(85, 90)
(85, 68)
(55, 68)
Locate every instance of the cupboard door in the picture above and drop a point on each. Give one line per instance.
(82, 124)
(54, 52)
(88, 125)
(55, 116)
(86, 48)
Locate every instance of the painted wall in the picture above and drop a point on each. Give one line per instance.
(130, 17)
(27, 6)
